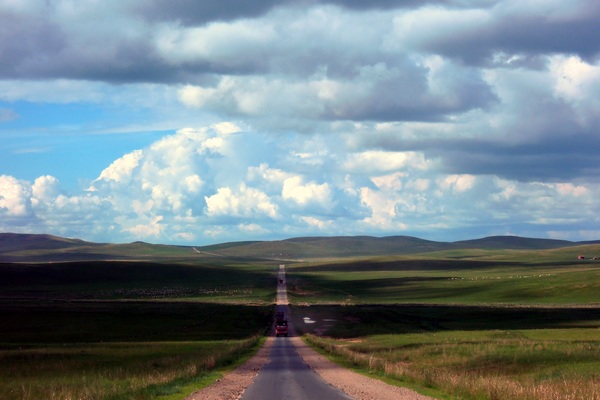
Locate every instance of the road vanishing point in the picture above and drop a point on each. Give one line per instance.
(286, 375)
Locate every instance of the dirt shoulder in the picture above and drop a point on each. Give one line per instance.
(357, 386)
(234, 383)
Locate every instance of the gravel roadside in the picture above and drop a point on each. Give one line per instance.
(357, 386)
(232, 385)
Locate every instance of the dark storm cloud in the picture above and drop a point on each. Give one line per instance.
(561, 158)
(565, 154)
(388, 4)
(396, 104)
(526, 35)
(409, 97)
(32, 47)
(54, 58)
(37, 47)
(540, 140)
(194, 12)
(27, 44)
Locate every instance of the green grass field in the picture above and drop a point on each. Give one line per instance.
(465, 352)
(457, 277)
(235, 282)
(496, 364)
(116, 370)
(462, 324)
(127, 330)
(478, 324)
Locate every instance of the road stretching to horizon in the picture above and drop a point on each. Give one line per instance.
(286, 375)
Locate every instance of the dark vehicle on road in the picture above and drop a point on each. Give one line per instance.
(281, 328)
(281, 325)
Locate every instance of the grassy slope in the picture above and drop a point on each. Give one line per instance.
(15, 248)
(450, 283)
(471, 324)
(357, 246)
(116, 301)
(225, 282)
(123, 330)
(455, 277)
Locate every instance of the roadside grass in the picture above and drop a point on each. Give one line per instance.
(513, 364)
(128, 330)
(473, 324)
(122, 350)
(141, 330)
(115, 371)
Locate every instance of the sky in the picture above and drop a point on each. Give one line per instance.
(200, 122)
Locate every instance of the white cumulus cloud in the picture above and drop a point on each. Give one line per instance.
(15, 197)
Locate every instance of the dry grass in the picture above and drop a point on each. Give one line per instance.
(482, 365)
(111, 371)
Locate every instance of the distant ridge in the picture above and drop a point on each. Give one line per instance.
(328, 246)
(515, 243)
(17, 241)
(40, 248)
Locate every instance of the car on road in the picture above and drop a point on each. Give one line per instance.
(281, 328)
(281, 324)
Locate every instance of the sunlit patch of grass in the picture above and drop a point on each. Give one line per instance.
(504, 280)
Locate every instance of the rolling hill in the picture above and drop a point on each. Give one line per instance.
(47, 248)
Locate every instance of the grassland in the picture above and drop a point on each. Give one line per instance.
(467, 324)
(498, 364)
(454, 277)
(117, 370)
(158, 321)
(127, 330)
(223, 281)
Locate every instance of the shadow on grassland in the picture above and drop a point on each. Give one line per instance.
(118, 279)
(128, 321)
(133, 301)
(360, 320)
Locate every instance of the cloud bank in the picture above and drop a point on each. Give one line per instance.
(444, 119)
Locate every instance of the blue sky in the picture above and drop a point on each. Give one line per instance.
(205, 122)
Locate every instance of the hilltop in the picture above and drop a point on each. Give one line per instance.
(44, 248)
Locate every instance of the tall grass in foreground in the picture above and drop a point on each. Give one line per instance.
(112, 371)
(496, 365)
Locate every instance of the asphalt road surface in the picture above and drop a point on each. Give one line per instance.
(286, 376)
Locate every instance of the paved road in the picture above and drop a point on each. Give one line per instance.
(286, 376)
